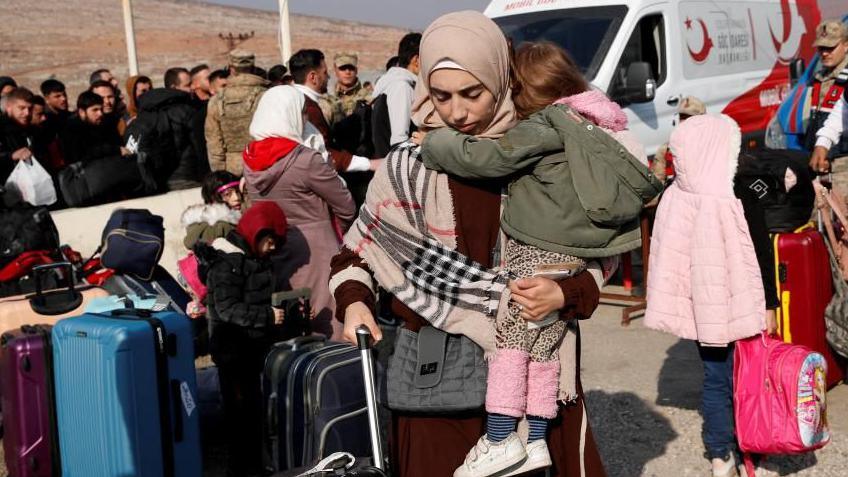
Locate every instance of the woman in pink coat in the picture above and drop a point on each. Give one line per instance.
(712, 268)
(278, 167)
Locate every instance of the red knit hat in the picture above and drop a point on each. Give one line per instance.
(261, 216)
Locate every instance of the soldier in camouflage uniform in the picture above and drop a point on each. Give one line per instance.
(230, 112)
(348, 90)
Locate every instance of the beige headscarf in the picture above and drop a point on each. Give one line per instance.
(477, 45)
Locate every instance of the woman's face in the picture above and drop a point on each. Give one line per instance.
(141, 88)
(462, 101)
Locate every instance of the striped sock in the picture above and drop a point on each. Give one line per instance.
(498, 427)
(538, 428)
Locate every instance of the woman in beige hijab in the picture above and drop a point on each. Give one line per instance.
(464, 85)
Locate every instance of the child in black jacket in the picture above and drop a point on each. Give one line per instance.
(243, 325)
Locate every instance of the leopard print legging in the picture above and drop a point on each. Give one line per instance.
(511, 330)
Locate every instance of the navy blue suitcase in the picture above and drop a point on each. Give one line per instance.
(126, 395)
(275, 380)
(328, 410)
(336, 420)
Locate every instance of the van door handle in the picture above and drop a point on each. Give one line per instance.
(673, 100)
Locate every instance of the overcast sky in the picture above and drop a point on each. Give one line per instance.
(413, 14)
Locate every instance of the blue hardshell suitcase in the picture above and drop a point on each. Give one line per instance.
(126, 395)
(327, 411)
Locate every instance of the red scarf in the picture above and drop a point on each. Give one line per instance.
(261, 155)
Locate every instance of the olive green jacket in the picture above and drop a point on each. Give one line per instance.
(574, 188)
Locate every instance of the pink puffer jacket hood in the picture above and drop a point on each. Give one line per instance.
(704, 282)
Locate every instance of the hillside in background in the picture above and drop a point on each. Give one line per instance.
(69, 39)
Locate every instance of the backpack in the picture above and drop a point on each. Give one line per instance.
(353, 133)
(779, 398)
(156, 150)
(25, 228)
(764, 173)
(132, 242)
(381, 127)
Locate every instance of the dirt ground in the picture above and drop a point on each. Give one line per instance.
(643, 395)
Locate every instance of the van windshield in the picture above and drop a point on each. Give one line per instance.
(586, 33)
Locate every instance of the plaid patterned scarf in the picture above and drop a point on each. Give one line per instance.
(407, 235)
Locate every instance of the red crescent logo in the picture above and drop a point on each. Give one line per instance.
(701, 56)
(786, 13)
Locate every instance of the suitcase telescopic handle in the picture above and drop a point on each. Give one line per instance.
(40, 270)
(363, 339)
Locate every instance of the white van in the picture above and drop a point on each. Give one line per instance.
(648, 54)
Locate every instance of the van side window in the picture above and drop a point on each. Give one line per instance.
(646, 44)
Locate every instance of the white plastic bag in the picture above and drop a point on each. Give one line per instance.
(32, 182)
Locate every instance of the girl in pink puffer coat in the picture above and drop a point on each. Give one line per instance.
(711, 278)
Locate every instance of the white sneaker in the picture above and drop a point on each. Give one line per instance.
(488, 458)
(724, 468)
(538, 457)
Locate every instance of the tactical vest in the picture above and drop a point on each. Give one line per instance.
(822, 102)
(235, 109)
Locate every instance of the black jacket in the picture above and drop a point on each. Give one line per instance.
(239, 298)
(12, 137)
(82, 142)
(166, 131)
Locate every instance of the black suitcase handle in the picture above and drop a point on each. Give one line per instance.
(56, 302)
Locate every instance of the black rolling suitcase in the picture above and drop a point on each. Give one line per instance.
(349, 462)
(275, 382)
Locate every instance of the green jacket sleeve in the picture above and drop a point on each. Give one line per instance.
(446, 150)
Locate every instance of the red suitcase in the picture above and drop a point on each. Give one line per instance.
(29, 424)
(805, 287)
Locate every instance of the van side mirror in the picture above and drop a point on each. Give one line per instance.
(796, 70)
(640, 86)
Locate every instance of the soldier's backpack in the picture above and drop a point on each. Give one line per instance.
(236, 112)
(353, 133)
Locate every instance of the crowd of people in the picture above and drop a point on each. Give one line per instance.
(197, 122)
(457, 119)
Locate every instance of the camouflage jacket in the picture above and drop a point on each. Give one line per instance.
(341, 105)
(228, 121)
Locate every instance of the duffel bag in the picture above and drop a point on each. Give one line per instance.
(132, 242)
(24, 228)
(98, 181)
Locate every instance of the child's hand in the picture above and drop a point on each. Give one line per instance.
(279, 316)
(194, 310)
(771, 322)
(418, 137)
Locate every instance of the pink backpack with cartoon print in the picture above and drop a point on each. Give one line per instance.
(779, 398)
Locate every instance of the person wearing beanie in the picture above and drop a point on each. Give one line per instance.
(243, 325)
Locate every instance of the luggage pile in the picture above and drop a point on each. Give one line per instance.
(98, 377)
